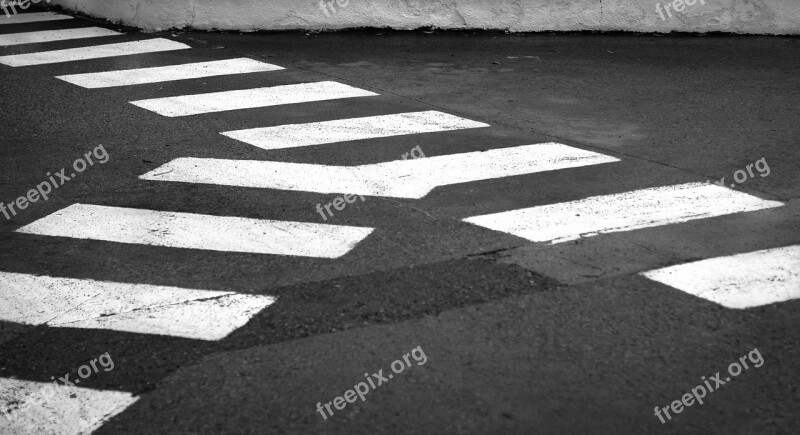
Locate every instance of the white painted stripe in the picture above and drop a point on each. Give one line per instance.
(197, 231)
(55, 35)
(29, 407)
(738, 281)
(33, 17)
(159, 74)
(200, 320)
(92, 52)
(35, 300)
(400, 178)
(250, 98)
(342, 130)
(137, 308)
(621, 212)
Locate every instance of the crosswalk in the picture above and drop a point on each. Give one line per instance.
(92, 52)
(351, 129)
(145, 309)
(195, 231)
(34, 17)
(40, 408)
(400, 179)
(186, 105)
(738, 281)
(61, 302)
(54, 35)
(626, 211)
(159, 74)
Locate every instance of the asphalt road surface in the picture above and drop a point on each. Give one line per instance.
(397, 232)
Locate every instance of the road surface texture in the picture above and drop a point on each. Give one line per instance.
(397, 232)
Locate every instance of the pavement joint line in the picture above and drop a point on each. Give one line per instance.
(494, 253)
(391, 268)
(415, 208)
(134, 310)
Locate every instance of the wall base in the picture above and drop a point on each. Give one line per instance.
(735, 16)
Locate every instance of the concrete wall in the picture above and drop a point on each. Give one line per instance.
(738, 16)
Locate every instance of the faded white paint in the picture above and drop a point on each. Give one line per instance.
(738, 281)
(54, 35)
(33, 17)
(751, 16)
(413, 178)
(197, 231)
(168, 73)
(209, 320)
(621, 212)
(342, 130)
(185, 105)
(42, 408)
(116, 306)
(92, 52)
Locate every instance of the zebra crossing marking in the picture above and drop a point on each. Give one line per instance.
(116, 306)
(185, 105)
(625, 211)
(54, 35)
(399, 178)
(34, 17)
(738, 281)
(197, 231)
(92, 52)
(63, 410)
(168, 73)
(209, 320)
(342, 130)
(212, 315)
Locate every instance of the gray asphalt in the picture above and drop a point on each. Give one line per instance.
(519, 337)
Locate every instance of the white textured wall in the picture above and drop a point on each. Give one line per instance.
(739, 16)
